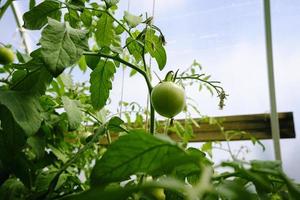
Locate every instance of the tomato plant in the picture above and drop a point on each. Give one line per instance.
(59, 141)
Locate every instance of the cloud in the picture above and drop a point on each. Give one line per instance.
(161, 6)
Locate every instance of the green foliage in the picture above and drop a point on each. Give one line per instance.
(101, 83)
(72, 108)
(154, 45)
(134, 48)
(86, 17)
(58, 140)
(13, 189)
(36, 18)
(105, 31)
(62, 46)
(24, 109)
(34, 77)
(139, 152)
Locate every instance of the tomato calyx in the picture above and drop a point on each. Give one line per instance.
(170, 76)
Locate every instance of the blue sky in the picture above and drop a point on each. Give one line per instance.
(227, 38)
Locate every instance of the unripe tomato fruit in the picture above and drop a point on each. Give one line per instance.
(6, 56)
(168, 99)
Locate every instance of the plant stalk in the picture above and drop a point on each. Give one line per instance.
(152, 118)
(142, 72)
(54, 181)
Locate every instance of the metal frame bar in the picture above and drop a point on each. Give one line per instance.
(18, 17)
(271, 81)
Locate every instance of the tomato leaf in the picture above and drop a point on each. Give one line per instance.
(45, 177)
(38, 77)
(62, 46)
(82, 64)
(37, 143)
(138, 152)
(111, 2)
(86, 17)
(12, 137)
(24, 108)
(31, 4)
(105, 31)
(155, 47)
(101, 83)
(231, 189)
(134, 48)
(114, 124)
(115, 193)
(36, 18)
(12, 140)
(73, 112)
(207, 147)
(36, 82)
(73, 18)
(12, 188)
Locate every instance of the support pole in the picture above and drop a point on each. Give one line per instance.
(19, 21)
(272, 96)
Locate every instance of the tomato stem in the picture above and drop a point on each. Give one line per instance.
(139, 70)
(152, 118)
(101, 130)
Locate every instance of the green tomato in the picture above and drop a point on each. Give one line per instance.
(6, 56)
(168, 99)
(92, 61)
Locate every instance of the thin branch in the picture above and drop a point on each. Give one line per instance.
(108, 138)
(54, 181)
(142, 72)
(118, 22)
(2, 80)
(220, 91)
(143, 54)
(217, 88)
(103, 11)
(92, 115)
(117, 58)
(224, 176)
(20, 81)
(4, 7)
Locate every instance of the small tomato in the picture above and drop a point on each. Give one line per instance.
(6, 56)
(168, 99)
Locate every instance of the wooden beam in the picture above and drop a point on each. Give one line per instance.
(258, 125)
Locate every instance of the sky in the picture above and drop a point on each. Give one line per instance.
(227, 38)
